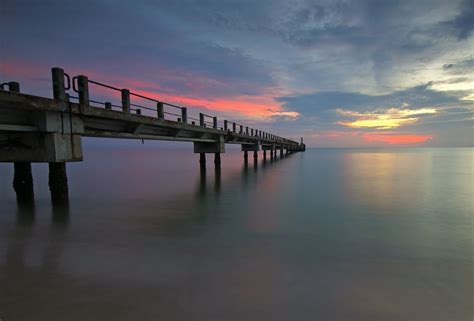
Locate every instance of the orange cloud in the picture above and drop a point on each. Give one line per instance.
(401, 139)
(262, 106)
(386, 119)
(249, 106)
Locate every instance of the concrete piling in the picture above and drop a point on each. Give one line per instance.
(217, 159)
(255, 155)
(58, 183)
(246, 156)
(202, 159)
(23, 182)
(22, 177)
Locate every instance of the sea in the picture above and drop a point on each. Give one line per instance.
(379, 234)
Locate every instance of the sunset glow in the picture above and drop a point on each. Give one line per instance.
(396, 139)
(386, 119)
(302, 68)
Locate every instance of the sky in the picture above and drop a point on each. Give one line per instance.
(338, 73)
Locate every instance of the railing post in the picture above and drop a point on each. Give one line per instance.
(241, 129)
(225, 125)
(233, 127)
(83, 89)
(251, 132)
(201, 120)
(214, 122)
(160, 110)
(108, 105)
(184, 115)
(59, 90)
(126, 100)
(246, 130)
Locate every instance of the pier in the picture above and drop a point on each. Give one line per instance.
(45, 130)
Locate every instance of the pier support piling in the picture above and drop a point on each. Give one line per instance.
(217, 159)
(23, 182)
(255, 155)
(58, 183)
(246, 156)
(202, 160)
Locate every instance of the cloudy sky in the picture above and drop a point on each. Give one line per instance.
(338, 73)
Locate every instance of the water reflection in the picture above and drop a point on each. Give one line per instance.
(202, 181)
(22, 239)
(289, 238)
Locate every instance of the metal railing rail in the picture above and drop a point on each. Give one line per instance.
(80, 85)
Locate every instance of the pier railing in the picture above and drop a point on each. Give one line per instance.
(129, 103)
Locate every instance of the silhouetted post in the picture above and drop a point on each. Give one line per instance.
(264, 154)
(281, 152)
(160, 110)
(217, 159)
(233, 127)
(246, 157)
(246, 131)
(125, 100)
(108, 105)
(23, 182)
(22, 177)
(202, 159)
(214, 122)
(59, 91)
(225, 125)
(83, 89)
(184, 115)
(255, 155)
(58, 183)
(201, 120)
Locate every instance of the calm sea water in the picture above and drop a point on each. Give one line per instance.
(332, 235)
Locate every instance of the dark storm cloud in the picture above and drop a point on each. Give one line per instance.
(101, 34)
(462, 25)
